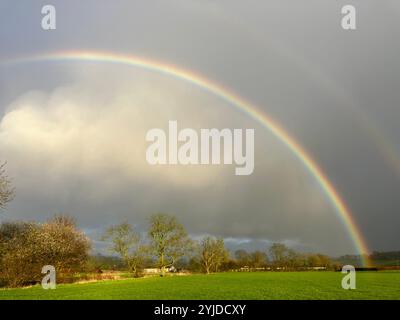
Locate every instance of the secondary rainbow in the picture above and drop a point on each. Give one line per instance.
(235, 101)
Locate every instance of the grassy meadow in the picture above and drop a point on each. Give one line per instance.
(257, 285)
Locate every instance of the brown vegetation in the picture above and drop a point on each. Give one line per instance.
(25, 247)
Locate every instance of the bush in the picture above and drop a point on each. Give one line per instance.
(26, 247)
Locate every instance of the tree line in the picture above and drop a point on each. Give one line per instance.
(166, 244)
(25, 247)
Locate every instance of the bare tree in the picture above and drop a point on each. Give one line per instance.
(284, 256)
(127, 243)
(25, 247)
(169, 240)
(242, 257)
(212, 254)
(279, 253)
(258, 259)
(62, 244)
(7, 192)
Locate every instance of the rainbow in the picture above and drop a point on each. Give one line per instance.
(240, 104)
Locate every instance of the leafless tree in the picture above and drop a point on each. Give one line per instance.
(25, 247)
(212, 254)
(127, 243)
(169, 240)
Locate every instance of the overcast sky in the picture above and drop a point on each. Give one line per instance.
(73, 133)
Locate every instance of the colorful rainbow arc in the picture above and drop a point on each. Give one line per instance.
(239, 103)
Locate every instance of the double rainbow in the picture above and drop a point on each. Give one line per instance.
(239, 103)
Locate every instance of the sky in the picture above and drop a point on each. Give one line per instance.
(73, 133)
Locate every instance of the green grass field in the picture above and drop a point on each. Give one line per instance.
(262, 285)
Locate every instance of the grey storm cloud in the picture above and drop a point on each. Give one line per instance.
(73, 134)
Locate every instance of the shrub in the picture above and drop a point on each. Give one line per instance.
(26, 247)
